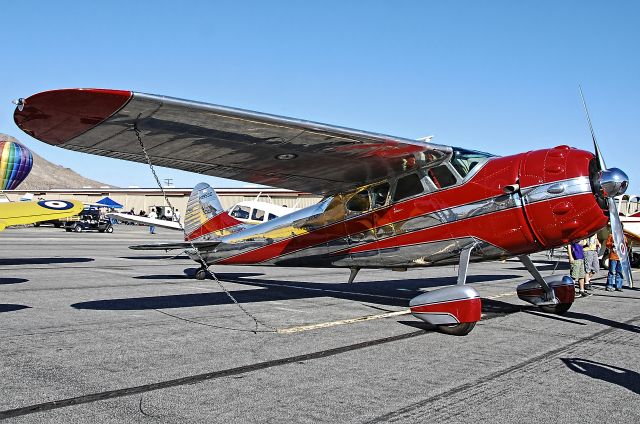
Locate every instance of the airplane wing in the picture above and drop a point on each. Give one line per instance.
(20, 213)
(173, 225)
(220, 141)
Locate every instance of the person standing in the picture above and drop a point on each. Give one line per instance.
(614, 278)
(152, 215)
(591, 246)
(576, 261)
(176, 215)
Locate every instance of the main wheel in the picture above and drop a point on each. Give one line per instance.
(77, 228)
(201, 274)
(558, 309)
(457, 329)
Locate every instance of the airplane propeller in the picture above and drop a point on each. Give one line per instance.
(610, 183)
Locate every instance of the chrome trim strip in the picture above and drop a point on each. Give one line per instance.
(555, 190)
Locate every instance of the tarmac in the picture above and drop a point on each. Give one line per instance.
(91, 331)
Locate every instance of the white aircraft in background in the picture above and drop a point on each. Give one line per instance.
(250, 212)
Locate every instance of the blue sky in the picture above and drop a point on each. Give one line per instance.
(497, 76)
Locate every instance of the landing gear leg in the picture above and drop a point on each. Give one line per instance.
(352, 276)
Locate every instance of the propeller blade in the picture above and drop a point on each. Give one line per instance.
(599, 157)
(618, 241)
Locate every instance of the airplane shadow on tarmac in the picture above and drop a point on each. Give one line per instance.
(42, 261)
(7, 307)
(628, 379)
(12, 280)
(381, 292)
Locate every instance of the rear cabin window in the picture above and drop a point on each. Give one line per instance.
(272, 216)
(359, 202)
(241, 212)
(379, 194)
(441, 176)
(257, 215)
(408, 186)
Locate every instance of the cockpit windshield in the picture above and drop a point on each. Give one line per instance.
(464, 160)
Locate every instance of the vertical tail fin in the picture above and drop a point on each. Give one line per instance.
(205, 215)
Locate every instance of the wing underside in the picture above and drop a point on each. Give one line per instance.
(220, 141)
(22, 213)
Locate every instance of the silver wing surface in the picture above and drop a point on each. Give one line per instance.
(220, 141)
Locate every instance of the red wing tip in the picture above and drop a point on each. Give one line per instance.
(57, 116)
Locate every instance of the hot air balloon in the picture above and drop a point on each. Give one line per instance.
(15, 162)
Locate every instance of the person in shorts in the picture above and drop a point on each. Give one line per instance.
(590, 247)
(576, 262)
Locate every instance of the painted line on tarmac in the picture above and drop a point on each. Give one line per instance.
(364, 318)
(498, 296)
(318, 326)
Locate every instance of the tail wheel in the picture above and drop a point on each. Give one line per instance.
(558, 309)
(109, 229)
(457, 329)
(201, 274)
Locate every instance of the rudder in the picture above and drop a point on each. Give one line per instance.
(205, 216)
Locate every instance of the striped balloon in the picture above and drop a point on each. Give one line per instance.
(15, 163)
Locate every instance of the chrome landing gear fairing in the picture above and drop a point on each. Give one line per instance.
(454, 310)
(554, 294)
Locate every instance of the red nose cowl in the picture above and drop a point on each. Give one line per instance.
(560, 212)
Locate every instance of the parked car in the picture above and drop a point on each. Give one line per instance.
(88, 220)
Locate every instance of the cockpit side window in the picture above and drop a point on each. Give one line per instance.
(379, 194)
(257, 215)
(464, 160)
(408, 186)
(359, 202)
(441, 176)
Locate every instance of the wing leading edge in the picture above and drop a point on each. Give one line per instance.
(220, 141)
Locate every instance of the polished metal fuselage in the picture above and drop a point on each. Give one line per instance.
(423, 230)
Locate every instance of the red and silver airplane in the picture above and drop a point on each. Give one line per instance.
(389, 202)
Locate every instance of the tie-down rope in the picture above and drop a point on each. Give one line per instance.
(204, 264)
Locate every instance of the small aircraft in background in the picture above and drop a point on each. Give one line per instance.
(251, 212)
(22, 213)
(389, 202)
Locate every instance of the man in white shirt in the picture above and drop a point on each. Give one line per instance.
(152, 215)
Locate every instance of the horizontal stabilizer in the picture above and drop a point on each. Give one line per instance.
(178, 245)
(143, 220)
